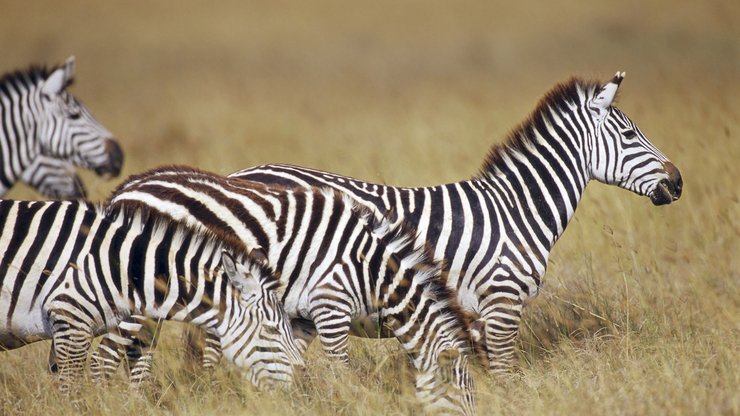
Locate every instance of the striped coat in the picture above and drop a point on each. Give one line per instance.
(69, 271)
(339, 265)
(496, 230)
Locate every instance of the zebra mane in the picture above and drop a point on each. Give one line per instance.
(400, 238)
(574, 92)
(134, 213)
(30, 76)
(181, 170)
(161, 170)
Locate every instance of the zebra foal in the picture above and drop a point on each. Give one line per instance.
(339, 265)
(69, 271)
(45, 132)
(496, 230)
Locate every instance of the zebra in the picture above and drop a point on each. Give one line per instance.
(338, 263)
(45, 132)
(70, 271)
(495, 231)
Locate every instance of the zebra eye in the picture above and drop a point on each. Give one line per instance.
(75, 115)
(629, 134)
(271, 328)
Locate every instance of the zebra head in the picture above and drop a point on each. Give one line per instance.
(67, 130)
(259, 338)
(447, 387)
(621, 155)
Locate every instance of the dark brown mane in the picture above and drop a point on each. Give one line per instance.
(560, 96)
(29, 76)
(188, 170)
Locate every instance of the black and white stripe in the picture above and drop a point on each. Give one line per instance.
(495, 231)
(45, 132)
(339, 265)
(69, 272)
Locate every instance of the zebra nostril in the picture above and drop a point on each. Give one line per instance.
(115, 156)
(678, 186)
(674, 179)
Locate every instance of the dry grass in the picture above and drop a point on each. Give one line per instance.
(640, 313)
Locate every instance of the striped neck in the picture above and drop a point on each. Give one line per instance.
(542, 170)
(174, 270)
(18, 98)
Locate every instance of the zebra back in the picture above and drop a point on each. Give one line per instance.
(336, 261)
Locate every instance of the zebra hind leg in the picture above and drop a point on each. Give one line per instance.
(71, 340)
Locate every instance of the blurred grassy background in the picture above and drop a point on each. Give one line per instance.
(640, 312)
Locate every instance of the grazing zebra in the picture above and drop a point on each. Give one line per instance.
(69, 271)
(338, 264)
(495, 231)
(45, 132)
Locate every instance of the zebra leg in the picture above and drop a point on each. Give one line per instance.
(71, 339)
(107, 355)
(501, 318)
(304, 331)
(134, 337)
(211, 351)
(53, 367)
(143, 333)
(201, 346)
(332, 318)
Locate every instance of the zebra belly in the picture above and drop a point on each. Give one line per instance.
(24, 329)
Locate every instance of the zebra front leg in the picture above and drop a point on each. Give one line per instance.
(304, 331)
(211, 351)
(71, 340)
(202, 346)
(134, 337)
(332, 321)
(52, 360)
(501, 321)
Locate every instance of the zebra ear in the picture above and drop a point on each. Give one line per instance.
(60, 78)
(69, 70)
(605, 97)
(258, 256)
(240, 279)
(54, 83)
(229, 264)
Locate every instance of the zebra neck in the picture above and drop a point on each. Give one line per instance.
(176, 277)
(542, 181)
(18, 134)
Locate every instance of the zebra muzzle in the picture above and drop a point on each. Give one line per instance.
(114, 163)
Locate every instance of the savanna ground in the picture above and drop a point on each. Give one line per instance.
(640, 312)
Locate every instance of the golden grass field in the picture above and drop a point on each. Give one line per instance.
(640, 312)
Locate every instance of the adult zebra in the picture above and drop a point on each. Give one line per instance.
(69, 272)
(496, 230)
(338, 264)
(45, 132)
